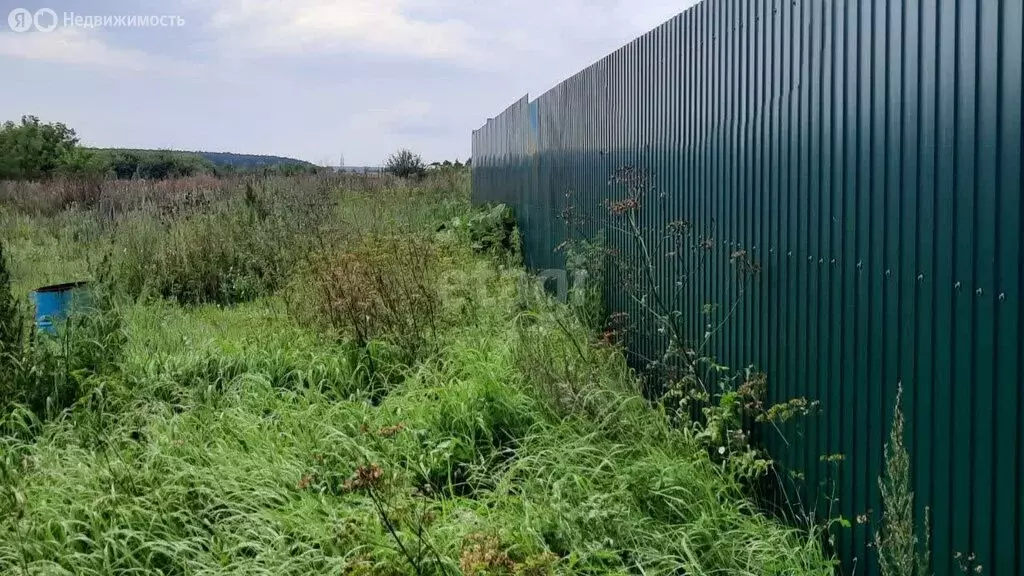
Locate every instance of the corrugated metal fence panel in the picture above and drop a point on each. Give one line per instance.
(868, 156)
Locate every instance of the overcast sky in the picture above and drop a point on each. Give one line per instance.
(311, 79)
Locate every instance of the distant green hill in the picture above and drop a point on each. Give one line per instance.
(250, 160)
(159, 164)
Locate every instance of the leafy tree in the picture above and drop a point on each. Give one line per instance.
(162, 164)
(32, 150)
(405, 164)
(155, 164)
(81, 162)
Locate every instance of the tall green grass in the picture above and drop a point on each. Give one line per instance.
(222, 241)
(242, 439)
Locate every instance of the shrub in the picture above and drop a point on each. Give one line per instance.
(230, 252)
(385, 288)
(490, 230)
(32, 150)
(405, 164)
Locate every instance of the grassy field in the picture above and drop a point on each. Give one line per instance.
(328, 375)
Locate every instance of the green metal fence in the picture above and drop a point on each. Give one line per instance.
(868, 155)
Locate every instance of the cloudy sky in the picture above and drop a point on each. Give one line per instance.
(312, 79)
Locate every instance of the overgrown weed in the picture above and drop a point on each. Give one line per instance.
(242, 439)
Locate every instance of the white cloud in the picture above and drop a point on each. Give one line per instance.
(74, 46)
(326, 26)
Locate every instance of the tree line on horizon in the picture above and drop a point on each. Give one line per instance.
(36, 150)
